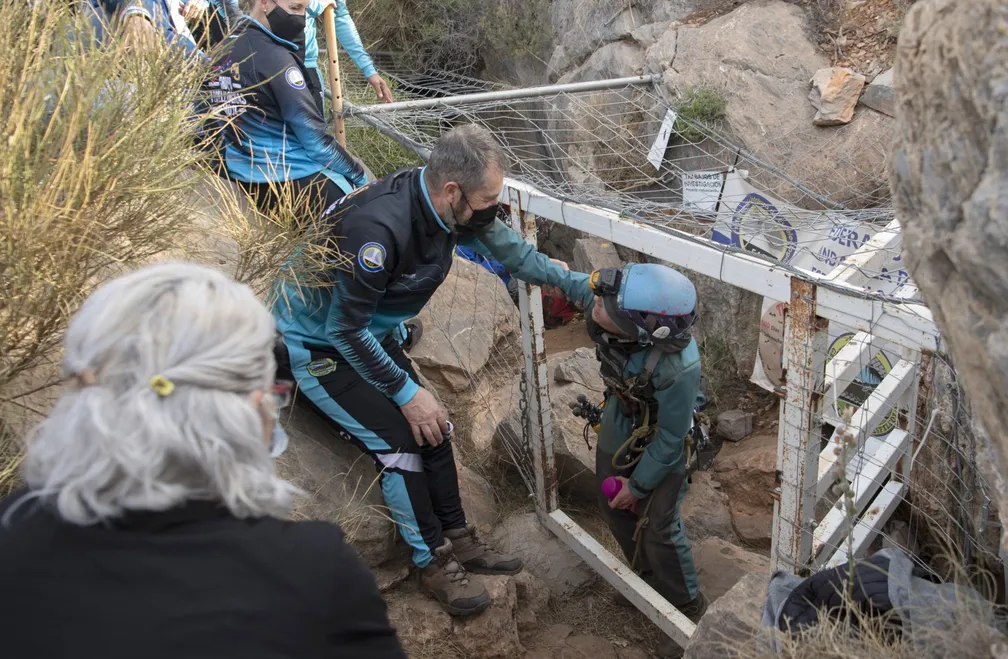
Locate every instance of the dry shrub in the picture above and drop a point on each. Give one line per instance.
(99, 174)
(96, 143)
(10, 460)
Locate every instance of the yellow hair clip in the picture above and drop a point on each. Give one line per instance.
(161, 385)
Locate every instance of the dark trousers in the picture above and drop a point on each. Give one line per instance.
(420, 485)
(665, 560)
(319, 189)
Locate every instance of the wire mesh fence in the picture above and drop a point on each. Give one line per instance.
(607, 149)
(912, 477)
(890, 459)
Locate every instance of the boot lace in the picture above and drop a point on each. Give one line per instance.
(478, 541)
(452, 567)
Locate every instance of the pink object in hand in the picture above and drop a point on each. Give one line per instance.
(611, 487)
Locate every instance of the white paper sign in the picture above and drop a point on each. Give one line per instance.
(813, 240)
(657, 153)
(702, 190)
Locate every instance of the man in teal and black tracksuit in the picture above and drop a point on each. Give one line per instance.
(272, 131)
(340, 343)
(640, 318)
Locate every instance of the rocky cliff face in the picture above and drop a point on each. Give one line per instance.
(949, 176)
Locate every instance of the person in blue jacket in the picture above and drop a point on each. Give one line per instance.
(639, 317)
(340, 344)
(273, 133)
(210, 21)
(347, 35)
(142, 20)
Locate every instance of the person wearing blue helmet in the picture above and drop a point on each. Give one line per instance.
(640, 317)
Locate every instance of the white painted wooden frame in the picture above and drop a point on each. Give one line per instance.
(837, 296)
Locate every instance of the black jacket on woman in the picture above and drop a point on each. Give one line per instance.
(189, 583)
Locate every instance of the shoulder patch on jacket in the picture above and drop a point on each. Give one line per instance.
(371, 256)
(294, 77)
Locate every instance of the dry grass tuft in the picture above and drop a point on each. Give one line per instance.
(91, 176)
(10, 460)
(100, 174)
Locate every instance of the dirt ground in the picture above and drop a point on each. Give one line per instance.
(866, 38)
(571, 336)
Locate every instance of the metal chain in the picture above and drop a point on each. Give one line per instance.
(523, 408)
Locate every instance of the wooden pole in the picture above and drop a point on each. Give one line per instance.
(329, 20)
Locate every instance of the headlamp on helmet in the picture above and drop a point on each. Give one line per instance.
(606, 281)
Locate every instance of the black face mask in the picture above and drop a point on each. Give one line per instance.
(483, 217)
(287, 26)
(479, 221)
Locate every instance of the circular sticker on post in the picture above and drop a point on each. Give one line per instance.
(864, 384)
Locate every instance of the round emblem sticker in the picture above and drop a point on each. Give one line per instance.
(371, 257)
(858, 391)
(295, 78)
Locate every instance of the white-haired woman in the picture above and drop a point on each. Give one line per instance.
(152, 523)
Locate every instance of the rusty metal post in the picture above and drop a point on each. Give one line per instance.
(536, 414)
(805, 344)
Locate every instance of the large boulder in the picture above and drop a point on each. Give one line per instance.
(592, 254)
(731, 622)
(760, 58)
(584, 26)
(596, 130)
(747, 472)
(941, 484)
(949, 176)
(705, 510)
(469, 317)
(575, 373)
(728, 317)
(341, 485)
(545, 556)
(720, 565)
(425, 629)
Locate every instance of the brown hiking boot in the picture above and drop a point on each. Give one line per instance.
(446, 580)
(479, 557)
(669, 649)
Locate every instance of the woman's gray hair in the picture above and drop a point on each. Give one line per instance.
(114, 444)
(464, 155)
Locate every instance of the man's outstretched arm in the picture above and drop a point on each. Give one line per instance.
(523, 261)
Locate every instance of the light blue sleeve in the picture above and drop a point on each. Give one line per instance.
(346, 33)
(523, 261)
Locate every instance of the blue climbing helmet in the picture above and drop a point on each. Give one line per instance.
(649, 302)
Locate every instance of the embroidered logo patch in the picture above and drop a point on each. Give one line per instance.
(294, 77)
(371, 257)
(321, 367)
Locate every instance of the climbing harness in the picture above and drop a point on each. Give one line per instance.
(637, 401)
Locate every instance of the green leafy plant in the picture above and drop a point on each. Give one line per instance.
(701, 106)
